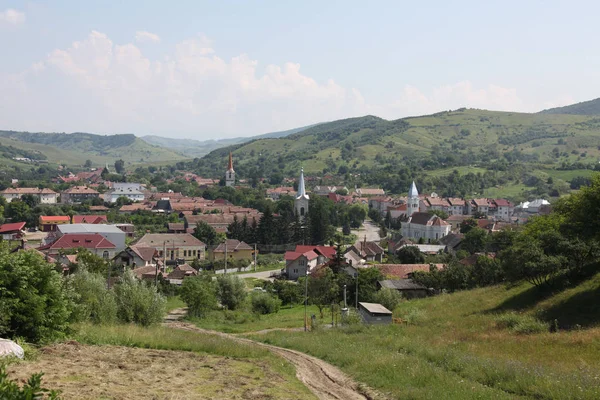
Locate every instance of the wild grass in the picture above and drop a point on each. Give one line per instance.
(174, 302)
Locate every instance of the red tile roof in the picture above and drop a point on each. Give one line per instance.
(402, 271)
(327, 251)
(13, 227)
(502, 203)
(45, 219)
(89, 219)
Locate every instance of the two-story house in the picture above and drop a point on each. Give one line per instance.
(45, 196)
(174, 246)
(78, 194)
(234, 249)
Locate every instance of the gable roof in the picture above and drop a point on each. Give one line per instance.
(145, 253)
(12, 227)
(326, 251)
(401, 284)
(89, 219)
(403, 271)
(80, 190)
(368, 248)
(76, 240)
(232, 245)
(177, 239)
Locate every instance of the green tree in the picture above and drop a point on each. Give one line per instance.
(206, 233)
(34, 303)
(138, 302)
(389, 298)
(322, 289)
(475, 240)
(467, 225)
(88, 164)
(120, 166)
(93, 301)
(200, 294)
(440, 213)
(410, 255)
(17, 210)
(30, 200)
(231, 291)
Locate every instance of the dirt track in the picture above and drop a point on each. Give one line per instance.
(323, 379)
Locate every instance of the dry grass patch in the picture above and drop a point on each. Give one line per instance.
(115, 372)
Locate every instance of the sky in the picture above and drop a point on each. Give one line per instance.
(218, 69)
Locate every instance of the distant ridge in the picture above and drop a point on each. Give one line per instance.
(591, 107)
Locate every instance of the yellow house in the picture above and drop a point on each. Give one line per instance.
(236, 250)
(48, 222)
(176, 245)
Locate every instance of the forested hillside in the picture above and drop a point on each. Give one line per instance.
(591, 107)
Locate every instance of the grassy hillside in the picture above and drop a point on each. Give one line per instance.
(454, 346)
(76, 148)
(198, 148)
(444, 141)
(591, 107)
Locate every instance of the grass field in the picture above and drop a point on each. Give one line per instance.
(158, 362)
(454, 347)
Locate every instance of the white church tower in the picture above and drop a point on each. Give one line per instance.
(301, 200)
(230, 174)
(413, 200)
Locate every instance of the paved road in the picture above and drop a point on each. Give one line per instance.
(266, 275)
(370, 229)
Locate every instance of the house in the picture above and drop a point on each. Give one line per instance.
(374, 313)
(45, 196)
(174, 246)
(110, 232)
(297, 264)
(456, 206)
(533, 207)
(426, 226)
(176, 227)
(276, 193)
(406, 287)
(163, 206)
(435, 204)
(98, 209)
(129, 229)
(131, 192)
(399, 211)
(12, 231)
(381, 203)
(136, 256)
(148, 273)
(429, 249)
(130, 208)
(78, 194)
(181, 272)
(452, 242)
(354, 259)
(369, 251)
(368, 192)
(48, 223)
(455, 220)
(89, 219)
(94, 242)
(235, 249)
(404, 271)
(480, 206)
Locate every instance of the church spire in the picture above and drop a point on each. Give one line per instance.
(230, 164)
(413, 192)
(301, 189)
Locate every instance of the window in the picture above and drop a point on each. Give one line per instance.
(105, 255)
(295, 270)
(194, 253)
(185, 253)
(302, 211)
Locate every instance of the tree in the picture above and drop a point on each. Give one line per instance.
(467, 225)
(410, 255)
(266, 227)
(389, 298)
(322, 289)
(17, 210)
(120, 166)
(138, 302)
(30, 200)
(200, 294)
(94, 302)
(231, 291)
(440, 213)
(475, 240)
(88, 164)
(206, 233)
(34, 303)
(123, 200)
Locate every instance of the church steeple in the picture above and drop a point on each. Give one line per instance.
(413, 200)
(230, 174)
(301, 200)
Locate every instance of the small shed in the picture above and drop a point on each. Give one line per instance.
(374, 313)
(407, 287)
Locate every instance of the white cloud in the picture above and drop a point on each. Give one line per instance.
(99, 86)
(12, 17)
(145, 36)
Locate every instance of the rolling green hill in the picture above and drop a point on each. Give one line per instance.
(75, 148)
(510, 146)
(591, 107)
(198, 148)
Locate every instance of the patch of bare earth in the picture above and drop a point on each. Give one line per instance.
(114, 372)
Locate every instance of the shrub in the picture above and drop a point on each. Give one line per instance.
(520, 323)
(389, 298)
(32, 389)
(34, 303)
(414, 316)
(94, 302)
(137, 302)
(231, 291)
(199, 293)
(264, 303)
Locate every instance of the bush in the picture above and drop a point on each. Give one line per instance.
(200, 295)
(231, 291)
(32, 389)
(522, 324)
(137, 302)
(414, 316)
(94, 302)
(34, 304)
(389, 298)
(264, 303)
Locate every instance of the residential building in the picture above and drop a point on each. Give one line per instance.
(235, 250)
(89, 219)
(368, 192)
(45, 196)
(174, 246)
(381, 203)
(298, 263)
(12, 231)
(179, 273)
(436, 204)
(78, 194)
(301, 200)
(94, 242)
(456, 206)
(276, 193)
(404, 271)
(230, 173)
(48, 223)
(369, 251)
(129, 229)
(111, 232)
(480, 206)
(136, 256)
(504, 209)
(426, 226)
(129, 192)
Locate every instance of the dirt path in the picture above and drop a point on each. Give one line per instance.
(323, 379)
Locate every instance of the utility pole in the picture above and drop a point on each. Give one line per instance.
(254, 257)
(305, 298)
(356, 291)
(225, 256)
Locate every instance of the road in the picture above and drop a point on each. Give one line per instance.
(370, 229)
(323, 379)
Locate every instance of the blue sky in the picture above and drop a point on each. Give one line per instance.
(203, 70)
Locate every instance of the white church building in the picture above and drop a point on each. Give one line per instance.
(422, 224)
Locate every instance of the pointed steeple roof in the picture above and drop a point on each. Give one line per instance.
(301, 189)
(413, 192)
(230, 164)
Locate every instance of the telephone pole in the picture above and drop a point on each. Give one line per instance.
(225, 256)
(254, 257)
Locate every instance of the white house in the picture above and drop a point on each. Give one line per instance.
(133, 193)
(426, 226)
(456, 206)
(45, 196)
(296, 264)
